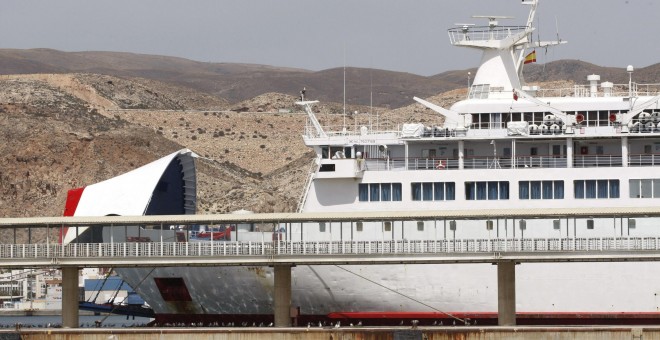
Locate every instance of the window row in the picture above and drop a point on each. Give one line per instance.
(537, 190)
(499, 190)
(433, 191)
(487, 190)
(602, 188)
(376, 192)
(644, 188)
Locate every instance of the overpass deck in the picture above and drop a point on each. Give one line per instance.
(167, 254)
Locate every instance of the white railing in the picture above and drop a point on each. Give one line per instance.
(579, 161)
(481, 33)
(205, 249)
(618, 90)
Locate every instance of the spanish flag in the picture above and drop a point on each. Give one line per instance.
(531, 58)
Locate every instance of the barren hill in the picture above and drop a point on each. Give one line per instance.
(52, 141)
(61, 131)
(238, 82)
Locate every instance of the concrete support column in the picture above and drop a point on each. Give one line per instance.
(70, 297)
(506, 293)
(282, 298)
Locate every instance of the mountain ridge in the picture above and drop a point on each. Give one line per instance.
(235, 82)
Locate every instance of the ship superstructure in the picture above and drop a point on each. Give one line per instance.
(507, 145)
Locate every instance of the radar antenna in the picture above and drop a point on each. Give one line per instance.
(492, 19)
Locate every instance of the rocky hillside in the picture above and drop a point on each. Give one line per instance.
(62, 131)
(52, 141)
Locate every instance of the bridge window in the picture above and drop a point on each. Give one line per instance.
(487, 190)
(603, 188)
(375, 192)
(644, 188)
(546, 190)
(433, 191)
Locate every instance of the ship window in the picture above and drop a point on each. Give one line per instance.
(644, 188)
(433, 191)
(376, 192)
(540, 190)
(439, 191)
(481, 190)
(327, 168)
(396, 191)
(596, 189)
(348, 152)
(535, 190)
(358, 226)
(420, 225)
(538, 117)
(322, 227)
(556, 150)
(427, 191)
(547, 190)
(493, 191)
(388, 226)
(386, 192)
(428, 153)
(590, 224)
(487, 190)
(603, 187)
(363, 194)
(479, 91)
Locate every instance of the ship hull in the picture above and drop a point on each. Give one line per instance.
(588, 291)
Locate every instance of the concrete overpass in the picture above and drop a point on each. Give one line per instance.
(284, 254)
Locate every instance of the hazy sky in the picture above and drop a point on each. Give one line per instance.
(400, 35)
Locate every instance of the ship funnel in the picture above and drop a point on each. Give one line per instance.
(593, 84)
(607, 88)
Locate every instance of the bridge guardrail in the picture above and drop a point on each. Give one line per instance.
(282, 248)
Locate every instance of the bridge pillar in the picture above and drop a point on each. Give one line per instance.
(70, 297)
(282, 296)
(506, 293)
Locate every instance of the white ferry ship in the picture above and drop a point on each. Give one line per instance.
(506, 145)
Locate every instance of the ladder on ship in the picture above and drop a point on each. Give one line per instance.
(308, 184)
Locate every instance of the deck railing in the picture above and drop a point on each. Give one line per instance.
(232, 248)
(544, 161)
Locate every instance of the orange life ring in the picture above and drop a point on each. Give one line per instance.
(579, 118)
